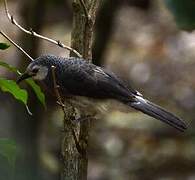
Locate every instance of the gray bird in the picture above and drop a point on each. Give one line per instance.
(77, 77)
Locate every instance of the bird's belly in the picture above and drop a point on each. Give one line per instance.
(95, 106)
(88, 105)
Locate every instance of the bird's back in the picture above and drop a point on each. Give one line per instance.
(79, 77)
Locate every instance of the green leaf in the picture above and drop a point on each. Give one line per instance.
(183, 12)
(4, 46)
(8, 150)
(11, 87)
(9, 67)
(36, 88)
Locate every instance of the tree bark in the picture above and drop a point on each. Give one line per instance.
(75, 163)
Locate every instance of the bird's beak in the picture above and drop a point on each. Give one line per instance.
(23, 77)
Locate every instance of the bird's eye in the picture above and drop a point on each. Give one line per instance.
(35, 70)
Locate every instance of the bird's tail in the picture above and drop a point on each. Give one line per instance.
(157, 112)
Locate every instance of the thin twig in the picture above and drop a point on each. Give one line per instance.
(56, 88)
(16, 45)
(85, 9)
(33, 33)
(28, 110)
(59, 101)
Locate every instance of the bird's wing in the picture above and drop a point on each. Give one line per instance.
(86, 79)
(136, 100)
(111, 84)
(112, 77)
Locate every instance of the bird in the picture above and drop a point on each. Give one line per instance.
(77, 77)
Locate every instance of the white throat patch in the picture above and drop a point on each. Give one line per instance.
(41, 74)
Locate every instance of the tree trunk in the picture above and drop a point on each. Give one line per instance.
(74, 162)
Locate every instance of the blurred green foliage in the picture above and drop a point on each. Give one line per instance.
(9, 67)
(4, 46)
(8, 150)
(37, 90)
(184, 13)
(7, 146)
(11, 87)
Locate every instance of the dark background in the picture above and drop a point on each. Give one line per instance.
(139, 41)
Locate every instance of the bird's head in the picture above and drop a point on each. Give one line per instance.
(38, 69)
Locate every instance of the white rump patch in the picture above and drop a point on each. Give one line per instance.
(141, 99)
(139, 94)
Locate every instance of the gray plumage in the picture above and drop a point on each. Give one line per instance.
(78, 77)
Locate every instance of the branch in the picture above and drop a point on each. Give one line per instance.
(85, 10)
(33, 33)
(56, 89)
(16, 45)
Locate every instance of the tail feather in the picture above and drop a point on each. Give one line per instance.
(157, 112)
